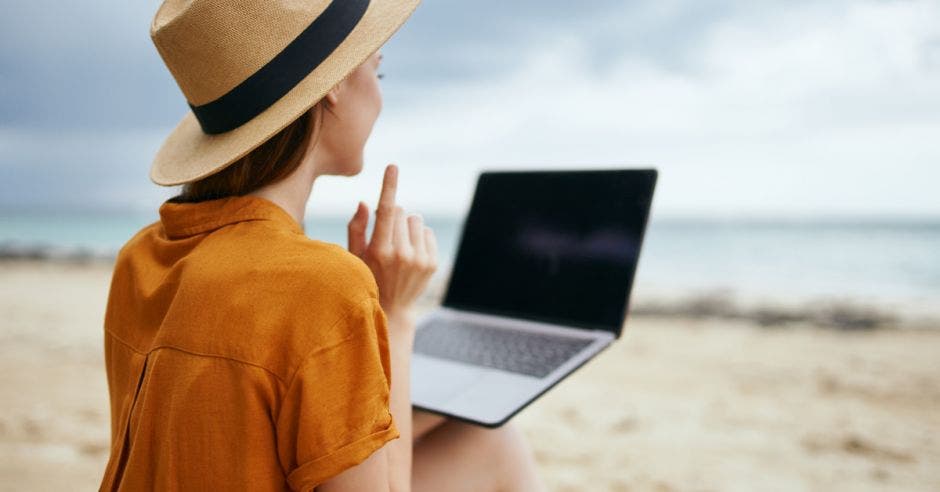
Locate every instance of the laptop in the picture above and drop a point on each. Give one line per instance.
(540, 285)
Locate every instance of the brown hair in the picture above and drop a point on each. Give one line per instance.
(272, 161)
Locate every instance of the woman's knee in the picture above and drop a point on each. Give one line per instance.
(497, 439)
(508, 439)
(480, 458)
(493, 445)
(506, 446)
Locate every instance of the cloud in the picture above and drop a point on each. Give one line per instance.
(81, 66)
(746, 108)
(809, 110)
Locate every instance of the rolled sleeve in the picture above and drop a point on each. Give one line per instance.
(335, 412)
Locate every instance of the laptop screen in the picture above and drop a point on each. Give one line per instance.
(553, 246)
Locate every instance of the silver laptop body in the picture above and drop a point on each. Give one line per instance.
(540, 285)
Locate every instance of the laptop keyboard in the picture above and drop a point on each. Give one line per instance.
(532, 354)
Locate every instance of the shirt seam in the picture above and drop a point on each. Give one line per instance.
(306, 357)
(198, 354)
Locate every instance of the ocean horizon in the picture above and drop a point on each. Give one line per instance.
(888, 262)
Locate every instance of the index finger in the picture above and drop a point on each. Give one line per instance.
(385, 212)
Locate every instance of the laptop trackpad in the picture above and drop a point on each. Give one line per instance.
(436, 380)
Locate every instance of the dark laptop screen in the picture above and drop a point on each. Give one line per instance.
(554, 246)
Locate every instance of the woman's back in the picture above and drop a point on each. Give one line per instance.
(241, 353)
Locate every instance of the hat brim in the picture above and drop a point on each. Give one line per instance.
(189, 154)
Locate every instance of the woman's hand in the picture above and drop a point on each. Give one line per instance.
(402, 253)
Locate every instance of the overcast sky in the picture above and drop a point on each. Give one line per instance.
(791, 108)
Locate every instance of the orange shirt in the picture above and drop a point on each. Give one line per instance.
(241, 354)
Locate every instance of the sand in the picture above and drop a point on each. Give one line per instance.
(680, 403)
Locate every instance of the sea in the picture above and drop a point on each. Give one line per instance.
(889, 264)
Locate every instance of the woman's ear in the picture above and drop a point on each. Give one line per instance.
(333, 95)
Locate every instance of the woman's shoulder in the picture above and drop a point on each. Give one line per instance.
(320, 291)
(323, 267)
(263, 260)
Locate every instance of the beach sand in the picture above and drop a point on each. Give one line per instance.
(680, 403)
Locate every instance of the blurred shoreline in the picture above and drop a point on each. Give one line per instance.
(851, 273)
(717, 303)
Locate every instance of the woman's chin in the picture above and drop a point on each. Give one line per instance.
(354, 168)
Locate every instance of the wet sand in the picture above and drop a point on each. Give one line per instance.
(683, 402)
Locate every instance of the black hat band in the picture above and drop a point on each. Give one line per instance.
(283, 72)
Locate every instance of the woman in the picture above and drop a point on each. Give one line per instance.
(240, 353)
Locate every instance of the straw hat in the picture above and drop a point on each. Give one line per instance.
(250, 67)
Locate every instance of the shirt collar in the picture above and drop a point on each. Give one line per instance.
(181, 219)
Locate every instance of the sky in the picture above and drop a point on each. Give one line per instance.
(772, 108)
